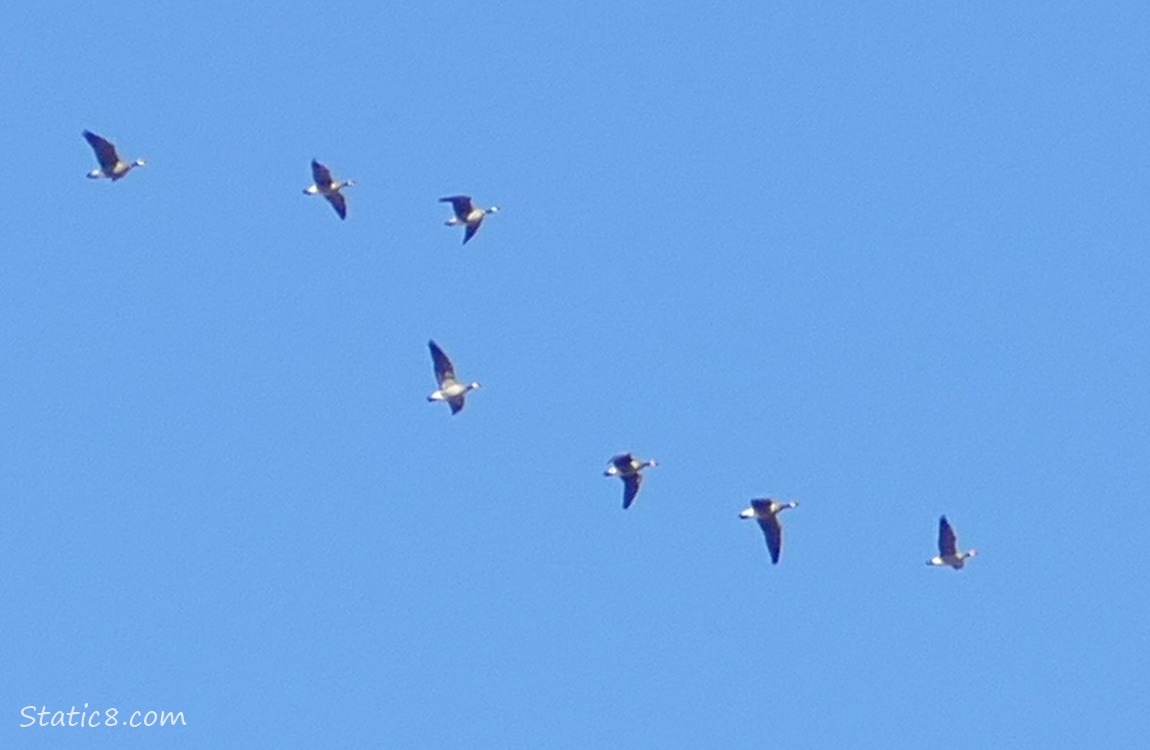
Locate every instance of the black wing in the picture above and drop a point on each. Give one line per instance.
(338, 202)
(631, 489)
(623, 461)
(105, 151)
(774, 534)
(460, 205)
(444, 370)
(761, 506)
(471, 230)
(947, 540)
(321, 175)
(456, 404)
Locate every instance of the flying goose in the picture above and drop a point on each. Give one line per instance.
(629, 469)
(329, 188)
(111, 165)
(450, 389)
(766, 512)
(466, 213)
(948, 552)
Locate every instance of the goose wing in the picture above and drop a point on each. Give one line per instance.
(773, 532)
(444, 370)
(471, 230)
(457, 404)
(762, 506)
(947, 539)
(338, 202)
(321, 175)
(105, 151)
(460, 205)
(631, 486)
(623, 461)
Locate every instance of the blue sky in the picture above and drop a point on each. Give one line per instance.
(888, 261)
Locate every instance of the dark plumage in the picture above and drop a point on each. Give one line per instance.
(450, 389)
(467, 214)
(948, 552)
(329, 187)
(629, 469)
(766, 512)
(111, 165)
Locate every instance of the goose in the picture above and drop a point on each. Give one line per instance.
(629, 469)
(467, 214)
(450, 389)
(766, 512)
(111, 165)
(329, 188)
(948, 551)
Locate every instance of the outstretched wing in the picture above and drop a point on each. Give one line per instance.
(321, 175)
(622, 462)
(471, 230)
(456, 404)
(761, 506)
(444, 370)
(460, 206)
(774, 535)
(338, 202)
(947, 539)
(105, 151)
(631, 489)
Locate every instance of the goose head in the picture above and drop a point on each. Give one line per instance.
(348, 183)
(748, 513)
(139, 163)
(473, 386)
(969, 553)
(493, 210)
(96, 174)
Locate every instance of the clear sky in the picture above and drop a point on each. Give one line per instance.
(889, 261)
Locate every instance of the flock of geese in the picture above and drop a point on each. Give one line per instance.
(625, 466)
